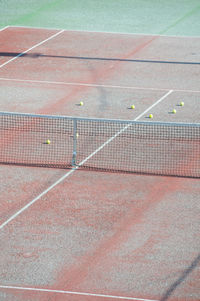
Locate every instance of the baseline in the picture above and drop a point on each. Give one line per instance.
(106, 32)
(1, 29)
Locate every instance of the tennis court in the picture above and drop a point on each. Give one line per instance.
(81, 234)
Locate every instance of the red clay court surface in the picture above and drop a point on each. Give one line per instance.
(95, 235)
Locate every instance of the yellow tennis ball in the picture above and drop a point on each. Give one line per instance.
(132, 107)
(81, 103)
(151, 116)
(181, 103)
(174, 111)
(77, 135)
(48, 141)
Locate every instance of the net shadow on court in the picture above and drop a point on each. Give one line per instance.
(39, 55)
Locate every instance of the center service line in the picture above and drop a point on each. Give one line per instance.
(75, 168)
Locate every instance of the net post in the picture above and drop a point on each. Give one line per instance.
(74, 141)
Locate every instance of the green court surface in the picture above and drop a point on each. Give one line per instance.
(128, 16)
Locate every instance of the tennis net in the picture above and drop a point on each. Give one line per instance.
(115, 145)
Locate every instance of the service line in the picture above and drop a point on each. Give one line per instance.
(94, 85)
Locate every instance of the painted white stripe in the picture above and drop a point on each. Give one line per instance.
(122, 130)
(75, 168)
(107, 32)
(155, 104)
(4, 28)
(72, 293)
(94, 85)
(42, 42)
(37, 198)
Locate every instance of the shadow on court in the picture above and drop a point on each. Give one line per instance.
(37, 55)
(183, 276)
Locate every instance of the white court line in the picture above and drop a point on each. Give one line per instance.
(94, 85)
(72, 293)
(75, 168)
(106, 32)
(37, 198)
(42, 42)
(122, 130)
(4, 28)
